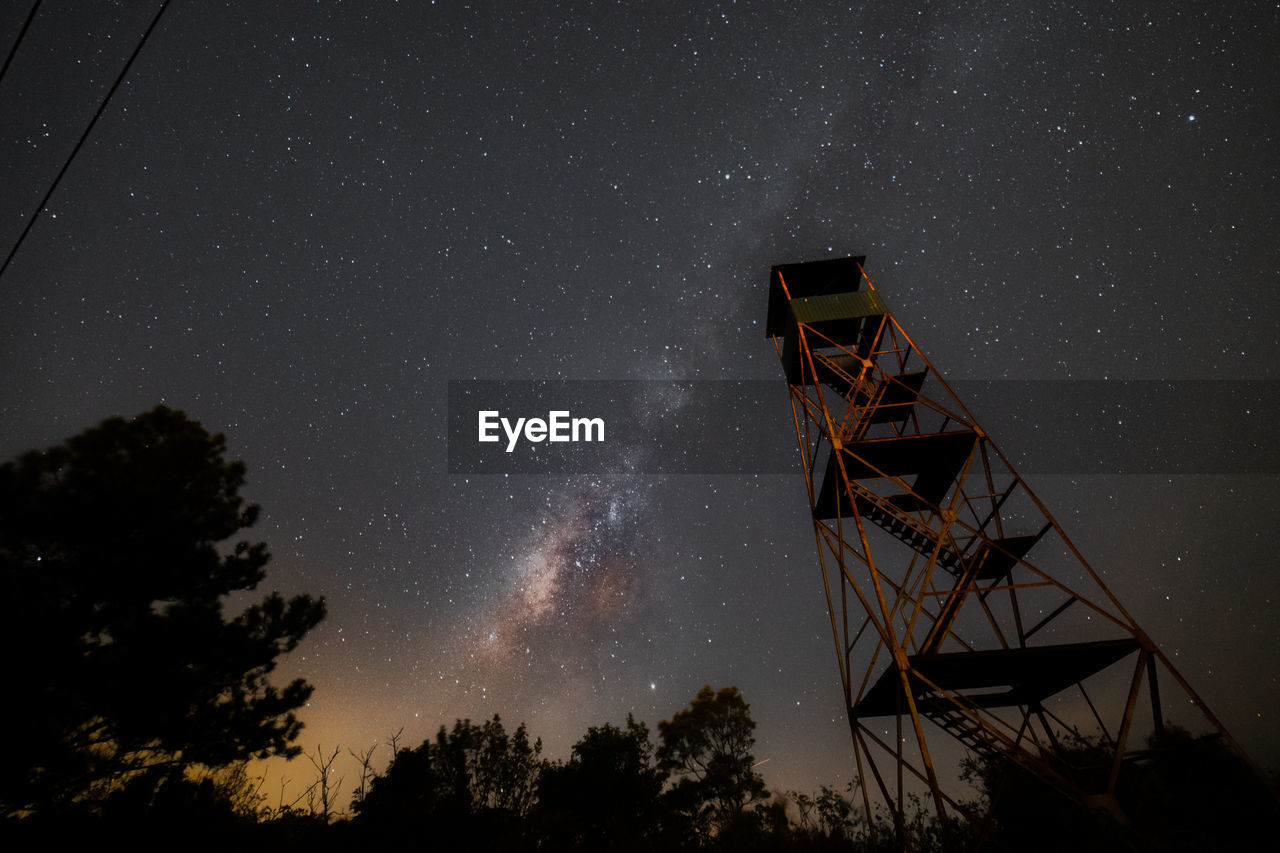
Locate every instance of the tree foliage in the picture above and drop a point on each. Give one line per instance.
(468, 777)
(607, 796)
(1182, 793)
(115, 565)
(829, 815)
(708, 746)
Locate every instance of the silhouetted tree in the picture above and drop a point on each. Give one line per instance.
(403, 799)
(708, 746)
(607, 796)
(471, 784)
(836, 816)
(365, 761)
(1188, 794)
(123, 669)
(485, 769)
(322, 794)
(1183, 793)
(1019, 811)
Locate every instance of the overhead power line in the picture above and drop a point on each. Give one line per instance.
(89, 129)
(13, 50)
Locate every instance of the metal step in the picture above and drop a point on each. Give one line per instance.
(911, 532)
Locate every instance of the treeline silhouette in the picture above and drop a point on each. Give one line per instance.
(134, 705)
(478, 786)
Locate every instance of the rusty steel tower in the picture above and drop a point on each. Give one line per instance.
(965, 621)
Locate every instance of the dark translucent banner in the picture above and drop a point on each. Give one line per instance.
(746, 427)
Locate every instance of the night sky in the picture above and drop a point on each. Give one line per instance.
(299, 221)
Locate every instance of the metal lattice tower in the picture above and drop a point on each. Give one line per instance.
(964, 619)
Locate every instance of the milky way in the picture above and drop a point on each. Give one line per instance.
(577, 569)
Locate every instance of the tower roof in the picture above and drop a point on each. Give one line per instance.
(811, 278)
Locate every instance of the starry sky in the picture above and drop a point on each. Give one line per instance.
(299, 222)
